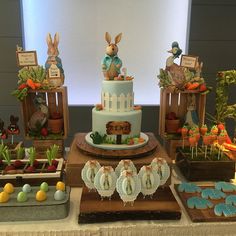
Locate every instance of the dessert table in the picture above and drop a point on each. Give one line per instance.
(70, 227)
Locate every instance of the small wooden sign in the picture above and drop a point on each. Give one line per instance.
(54, 72)
(118, 127)
(189, 61)
(26, 58)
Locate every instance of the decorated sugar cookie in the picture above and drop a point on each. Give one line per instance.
(162, 168)
(88, 173)
(199, 203)
(226, 210)
(212, 193)
(105, 181)
(125, 165)
(189, 188)
(128, 186)
(150, 180)
(225, 186)
(231, 199)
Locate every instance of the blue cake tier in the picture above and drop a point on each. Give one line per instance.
(117, 96)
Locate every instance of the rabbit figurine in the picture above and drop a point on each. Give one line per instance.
(111, 63)
(53, 59)
(3, 133)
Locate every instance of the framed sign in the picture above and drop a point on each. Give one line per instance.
(118, 127)
(189, 61)
(26, 58)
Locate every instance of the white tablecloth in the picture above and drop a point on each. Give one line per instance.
(70, 227)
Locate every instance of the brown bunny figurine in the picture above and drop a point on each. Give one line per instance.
(111, 63)
(53, 61)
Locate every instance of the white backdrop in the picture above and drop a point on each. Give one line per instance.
(148, 26)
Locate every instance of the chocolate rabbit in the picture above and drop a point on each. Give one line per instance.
(3, 133)
(13, 128)
(111, 63)
(53, 53)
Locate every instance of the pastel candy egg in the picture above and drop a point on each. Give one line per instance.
(26, 188)
(59, 195)
(44, 186)
(22, 197)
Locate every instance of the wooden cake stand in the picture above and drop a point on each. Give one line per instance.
(81, 152)
(162, 206)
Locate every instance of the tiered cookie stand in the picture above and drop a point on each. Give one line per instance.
(177, 102)
(162, 206)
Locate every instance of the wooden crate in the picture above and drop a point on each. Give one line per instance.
(41, 147)
(207, 170)
(56, 100)
(177, 102)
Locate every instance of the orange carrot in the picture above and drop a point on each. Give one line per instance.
(192, 86)
(31, 84)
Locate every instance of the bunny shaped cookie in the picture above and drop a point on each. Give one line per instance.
(53, 59)
(111, 63)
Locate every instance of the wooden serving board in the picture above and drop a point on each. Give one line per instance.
(145, 150)
(206, 215)
(163, 206)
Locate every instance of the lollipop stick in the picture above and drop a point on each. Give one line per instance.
(183, 144)
(2, 141)
(192, 152)
(12, 139)
(196, 149)
(205, 151)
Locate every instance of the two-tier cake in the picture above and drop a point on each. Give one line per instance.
(116, 122)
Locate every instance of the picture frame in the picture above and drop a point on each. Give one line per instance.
(189, 61)
(26, 58)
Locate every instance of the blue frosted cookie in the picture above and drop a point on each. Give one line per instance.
(189, 188)
(199, 203)
(225, 186)
(226, 210)
(213, 194)
(231, 199)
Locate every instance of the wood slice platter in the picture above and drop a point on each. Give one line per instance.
(163, 206)
(205, 215)
(145, 150)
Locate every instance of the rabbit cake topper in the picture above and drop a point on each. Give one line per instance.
(111, 63)
(53, 64)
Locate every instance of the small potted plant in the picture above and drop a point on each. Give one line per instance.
(55, 123)
(172, 123)
(51, 156)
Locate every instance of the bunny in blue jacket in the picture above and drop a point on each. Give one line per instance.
(111, 63)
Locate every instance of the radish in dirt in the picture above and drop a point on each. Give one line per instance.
(20, 154)
(3, 148)
(32, 155)
(7, 157)
(51, 155)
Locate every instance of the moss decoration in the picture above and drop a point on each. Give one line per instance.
(223, 110)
